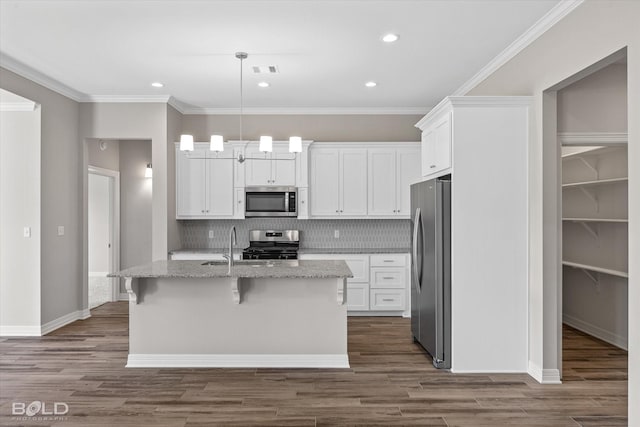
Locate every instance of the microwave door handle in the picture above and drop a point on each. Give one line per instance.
(286, 201)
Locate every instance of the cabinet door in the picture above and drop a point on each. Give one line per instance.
(408, 172)
(357, 297)
(442, 146)
(303, 203)
(220, 193)
(428, 152)
(382, 182)
(325, 183)
(190, 183)
(353, 182)
(257, 167)
(283, 171)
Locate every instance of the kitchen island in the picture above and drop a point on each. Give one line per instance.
(259, 314)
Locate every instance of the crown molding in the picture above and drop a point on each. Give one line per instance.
(308, 111)
(18, 106)
(126, 98)
(559, 11)
(36, 76)
(180, 106)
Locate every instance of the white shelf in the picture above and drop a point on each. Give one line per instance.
(593, 183)
(596, 269)
(614, 220)
(591, 151)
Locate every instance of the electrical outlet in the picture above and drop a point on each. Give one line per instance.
(27, 232)
(211, 234)
(61, 230)
(336, 234)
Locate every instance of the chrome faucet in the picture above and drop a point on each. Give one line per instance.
(232, 241)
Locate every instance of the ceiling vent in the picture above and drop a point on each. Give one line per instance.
(265, 69)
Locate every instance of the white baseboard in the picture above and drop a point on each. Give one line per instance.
(376, 314)
(64, 320)
(596, 331)
(20, 331)
(544, 376)
(238, 361)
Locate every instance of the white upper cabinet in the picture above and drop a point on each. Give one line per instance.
(204, 184)
(436, 145)
(391, 173)
(277, 168)
(338, 182)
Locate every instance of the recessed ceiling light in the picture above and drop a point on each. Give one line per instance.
(370, 84)
(263, 84)
(389, 38)
(157, 84)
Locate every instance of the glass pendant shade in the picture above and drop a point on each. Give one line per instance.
(295, 144)
(217, 143)
(266, 144)
(186, 142)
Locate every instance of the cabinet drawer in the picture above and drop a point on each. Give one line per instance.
(387, 299)
(357, 297)
(359, 264)
(390, 260)
(388, 278)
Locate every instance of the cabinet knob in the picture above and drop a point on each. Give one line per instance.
(337, 210)
(432, 166)
(302, 201)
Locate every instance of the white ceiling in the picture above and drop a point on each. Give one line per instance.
(325, 50)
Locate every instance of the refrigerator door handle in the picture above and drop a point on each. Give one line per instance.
(417, 254)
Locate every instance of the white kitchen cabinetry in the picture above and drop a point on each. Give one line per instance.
(277, 168)
(391, 173)
(338, 182)
(436, 145)
(380, 286)
(484, 143)
(204, 185)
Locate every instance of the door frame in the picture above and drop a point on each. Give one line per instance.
(114, 226)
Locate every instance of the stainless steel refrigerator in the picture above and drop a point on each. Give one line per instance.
(431, 268)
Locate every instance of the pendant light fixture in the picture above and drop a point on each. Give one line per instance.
(266, 142)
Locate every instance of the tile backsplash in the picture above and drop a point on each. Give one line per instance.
(354, 233)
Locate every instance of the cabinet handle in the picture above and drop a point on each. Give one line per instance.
(388, 278)
(387, 299)
(432, 166)
(387, 260)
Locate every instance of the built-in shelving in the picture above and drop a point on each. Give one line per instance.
(595, 182)
(596, 269)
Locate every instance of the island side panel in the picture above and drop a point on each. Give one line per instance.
(196, 316)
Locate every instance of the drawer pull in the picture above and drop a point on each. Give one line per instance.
(388, 299)
(387, 260)
(388, 278)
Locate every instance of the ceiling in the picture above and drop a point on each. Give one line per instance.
(325, 50)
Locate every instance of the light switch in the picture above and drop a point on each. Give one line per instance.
(61, 230)
(211, 234)
(27, 232)
(336, 234)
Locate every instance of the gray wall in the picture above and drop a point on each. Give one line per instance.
(357, 128)
(135, 204)
(61, 173)
(19, 207)
(597, 103)
(593, 31)
(106, 159)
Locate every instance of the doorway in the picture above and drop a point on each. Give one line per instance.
(104, 231)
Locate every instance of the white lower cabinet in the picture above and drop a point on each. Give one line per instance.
(379, 285)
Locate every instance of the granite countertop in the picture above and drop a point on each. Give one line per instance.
(303, 251)
(242, 269)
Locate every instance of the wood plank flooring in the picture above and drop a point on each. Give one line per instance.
(391, 383)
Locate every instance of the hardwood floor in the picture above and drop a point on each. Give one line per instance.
(391, 383)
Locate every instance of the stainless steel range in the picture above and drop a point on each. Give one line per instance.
(272, 244)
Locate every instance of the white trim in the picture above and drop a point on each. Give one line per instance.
(64, 320)
(309, 110)
(238, 361)
(18, 106)
(36, 76)
(163, 99)
(544, 376)
(19, 331)
(598, 332)
(180, 106)
(593, 138)
(559, 11)
(98, 273)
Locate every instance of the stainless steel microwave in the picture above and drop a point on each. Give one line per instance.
(270, 202)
